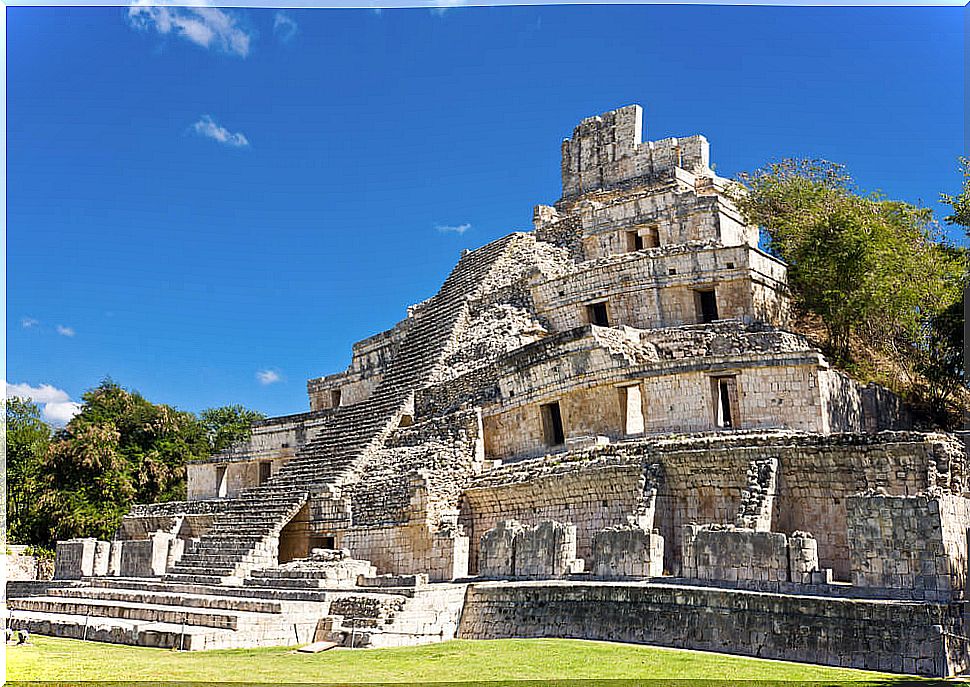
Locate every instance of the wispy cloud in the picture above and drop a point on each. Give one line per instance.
(266, 377)
(209, 27)
(29, 322)
(442, 6)
(207, 127)
(453, 228)
(65, 331)
(57, 408)
(284, 27)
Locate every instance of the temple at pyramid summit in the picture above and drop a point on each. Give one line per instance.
(603, 428)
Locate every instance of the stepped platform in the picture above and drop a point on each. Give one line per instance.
(194, 616)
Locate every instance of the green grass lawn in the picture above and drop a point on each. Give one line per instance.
(52, 659)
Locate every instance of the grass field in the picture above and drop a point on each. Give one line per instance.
(51, 659)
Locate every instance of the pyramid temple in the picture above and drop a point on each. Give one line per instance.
(602, 428)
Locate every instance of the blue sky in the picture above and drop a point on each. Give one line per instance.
(212, 207)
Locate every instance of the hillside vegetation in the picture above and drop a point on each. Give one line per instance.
(872, 281)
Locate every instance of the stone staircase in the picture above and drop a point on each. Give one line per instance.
(246, 536)
(172, 616)
(399, 617)
(197, 616)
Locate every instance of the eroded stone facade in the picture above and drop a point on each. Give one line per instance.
(613, 395)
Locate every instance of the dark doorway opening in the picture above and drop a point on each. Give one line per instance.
(552, 429)
(707, 305)
(265, 468)
(597, 314)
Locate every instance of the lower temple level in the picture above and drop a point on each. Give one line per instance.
(889, 635)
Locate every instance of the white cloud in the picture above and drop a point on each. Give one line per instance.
(29, 322)
(65, 331)
(266, 377)
(442, 6)
(206, 126)
(209, 27)
(284, 28)
(453, 228)
(57, 408)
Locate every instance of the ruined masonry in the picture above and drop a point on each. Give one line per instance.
(600, 428)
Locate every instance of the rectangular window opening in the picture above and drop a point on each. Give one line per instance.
(725, 402)
(222, 484)
(335, 398)
(631, 408)
(265, 469)
(552, 429)
(597, 314)
(707, 305)
(634, 241)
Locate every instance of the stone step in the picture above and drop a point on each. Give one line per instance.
(227, 603)
(275, 631)
(127, 610)
(202, 579)
(221, 590)
(120, 631)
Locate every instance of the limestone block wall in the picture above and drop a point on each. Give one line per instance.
(674, 214)
(771, 397)
(816, 482)
(415, 548)
(876, 635)
(658, 287)
(496, 553)
(547, 550)
(275, 440)
(606, 151)
(203, 478)
(419, 474)
(777, 385)
(912, 543)
(74, 558)
(706, 479)
(629, 551)
(734, 555)
(150, 557)
(591, 494)
(185, 519)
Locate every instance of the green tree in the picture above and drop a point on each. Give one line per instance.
(872, 270)
(27, 439)
(960, 202)
(119, 450)
(227, 425)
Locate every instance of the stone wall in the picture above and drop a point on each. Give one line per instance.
(185, 519)
(420, 472)
(681, 209)
(628, 551)
(606, 151)
(591, 493)
(442, 553)
(875, 635)
(914, 543)
(658, 287)
(711, 552)
(706, 479)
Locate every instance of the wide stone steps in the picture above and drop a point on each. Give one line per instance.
(231, 549)
(167, 598)
(128, 610)
(140, 584)
(120, 631)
